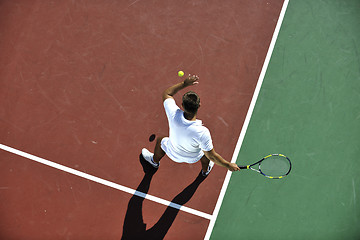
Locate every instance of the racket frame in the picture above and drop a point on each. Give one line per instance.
(259, 162)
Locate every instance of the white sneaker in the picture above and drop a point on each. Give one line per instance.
(148, 156)
(211, 164)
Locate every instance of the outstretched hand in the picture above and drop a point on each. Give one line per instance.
(191, 80)
(234, 167)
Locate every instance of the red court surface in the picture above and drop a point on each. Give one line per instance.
(81, 85)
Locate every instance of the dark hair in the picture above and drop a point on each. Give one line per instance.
(191, 102)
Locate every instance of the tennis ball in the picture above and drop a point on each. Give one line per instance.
(180, 73)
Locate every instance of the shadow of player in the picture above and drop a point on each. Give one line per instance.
(134, 226)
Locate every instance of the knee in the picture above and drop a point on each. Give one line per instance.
(204, 160)
(159, 139)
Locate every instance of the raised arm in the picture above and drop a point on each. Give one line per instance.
(171, 91)
(216, 158)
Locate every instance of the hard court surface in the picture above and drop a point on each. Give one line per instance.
(81, 85)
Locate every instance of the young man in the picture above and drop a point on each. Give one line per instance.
(189, 141)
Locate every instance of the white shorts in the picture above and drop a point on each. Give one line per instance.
(177, 158)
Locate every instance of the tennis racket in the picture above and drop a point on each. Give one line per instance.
(273, 166)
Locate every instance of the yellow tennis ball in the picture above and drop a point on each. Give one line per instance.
(180, 73)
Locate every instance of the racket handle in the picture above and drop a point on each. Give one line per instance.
(243, 167)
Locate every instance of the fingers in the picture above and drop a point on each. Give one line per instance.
(193, 77)
(192, 80)
(234, 167)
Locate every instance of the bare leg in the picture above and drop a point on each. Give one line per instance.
(158, 152)
(204, 163)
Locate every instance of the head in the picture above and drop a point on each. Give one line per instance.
(191, 102)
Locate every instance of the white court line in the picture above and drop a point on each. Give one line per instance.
(247, 119)
(105, 182)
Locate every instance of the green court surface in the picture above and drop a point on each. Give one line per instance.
(308, 109)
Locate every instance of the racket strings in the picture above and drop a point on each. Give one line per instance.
(275, 166)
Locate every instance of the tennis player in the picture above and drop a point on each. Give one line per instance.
(189, 141)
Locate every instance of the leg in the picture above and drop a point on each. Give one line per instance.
(204, 163)
(134, 226)
(158, 152)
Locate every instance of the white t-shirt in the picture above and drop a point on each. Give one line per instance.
(187, 139)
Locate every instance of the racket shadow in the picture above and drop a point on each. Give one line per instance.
(134, 226)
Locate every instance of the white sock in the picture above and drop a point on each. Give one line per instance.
(152, 159)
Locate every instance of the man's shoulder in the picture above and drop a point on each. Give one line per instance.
(200, 128)
(170, 104)
(169, 101)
